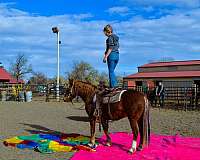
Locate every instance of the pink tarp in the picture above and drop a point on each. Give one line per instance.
(161, 148)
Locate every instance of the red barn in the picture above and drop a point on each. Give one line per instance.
(6, 77)
(172, 74)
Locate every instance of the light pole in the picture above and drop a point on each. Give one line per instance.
(56, 30)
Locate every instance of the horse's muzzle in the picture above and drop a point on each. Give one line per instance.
(67, 99)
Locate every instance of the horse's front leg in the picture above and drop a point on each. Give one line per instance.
(135, 131)
(105, 129)
(92, 132)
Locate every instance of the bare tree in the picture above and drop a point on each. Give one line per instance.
(38, 78)
(120, 80)
(20, 67)
(83, 71)
(54, 80)
(104, 77)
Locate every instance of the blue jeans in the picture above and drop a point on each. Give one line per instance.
(113, 59)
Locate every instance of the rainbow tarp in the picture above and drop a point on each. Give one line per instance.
(47, 143)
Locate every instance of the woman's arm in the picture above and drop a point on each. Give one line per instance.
(156, 90)
(107, 53)
(109, 47)
(161, 90)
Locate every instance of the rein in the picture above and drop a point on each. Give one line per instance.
(87, 92)
(73, 91)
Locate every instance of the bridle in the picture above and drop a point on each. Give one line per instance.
(73, 92)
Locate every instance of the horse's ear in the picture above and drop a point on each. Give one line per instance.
(70, 81)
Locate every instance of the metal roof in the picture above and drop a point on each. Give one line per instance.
(175, 74)
(171, 63)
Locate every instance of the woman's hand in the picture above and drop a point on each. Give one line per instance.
(105, 58)
(106, 55)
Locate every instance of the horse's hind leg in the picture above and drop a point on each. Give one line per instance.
(144, 129)
(105, 129)
(141, 131)
(135, 131)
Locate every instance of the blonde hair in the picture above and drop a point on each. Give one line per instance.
(108, 29)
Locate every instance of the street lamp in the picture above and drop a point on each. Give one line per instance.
(56, 30)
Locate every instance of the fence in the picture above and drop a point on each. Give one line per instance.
(10, 91)
(42, 92)
(186, 98)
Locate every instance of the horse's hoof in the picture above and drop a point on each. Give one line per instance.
(131, 151)
(93, 146)
(108, 144)
(139, 148)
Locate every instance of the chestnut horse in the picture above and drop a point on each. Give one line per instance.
(133, 105)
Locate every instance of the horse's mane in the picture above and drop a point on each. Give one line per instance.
(87, 83)
(86, 90)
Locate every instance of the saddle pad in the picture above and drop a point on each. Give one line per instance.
(116, 97)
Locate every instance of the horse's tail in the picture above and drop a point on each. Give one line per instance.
(146, 123)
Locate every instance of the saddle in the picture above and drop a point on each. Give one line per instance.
(106, 97)
(113, 96)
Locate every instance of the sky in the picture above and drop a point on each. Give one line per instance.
(149, 30)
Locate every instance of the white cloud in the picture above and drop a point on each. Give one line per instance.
(179, 3)
(121, 10)
(6, 11)
(32, 35)
(82, 16)
(141, 39)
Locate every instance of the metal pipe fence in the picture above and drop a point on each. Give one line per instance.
(186, 98)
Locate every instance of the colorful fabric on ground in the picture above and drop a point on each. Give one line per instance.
(47, 143)
(160, 148)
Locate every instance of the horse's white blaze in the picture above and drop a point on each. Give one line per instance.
(95, 98)
(71, 90)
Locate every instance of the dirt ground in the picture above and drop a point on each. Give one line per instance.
(24, 118)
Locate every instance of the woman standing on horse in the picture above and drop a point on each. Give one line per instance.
(111, 55)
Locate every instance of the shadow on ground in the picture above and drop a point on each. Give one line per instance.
(78, 118)
(38, 129)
